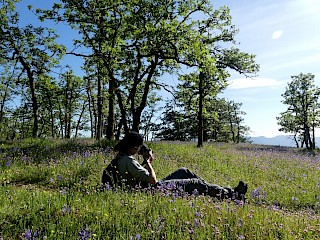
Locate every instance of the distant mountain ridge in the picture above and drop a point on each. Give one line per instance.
(280, 140)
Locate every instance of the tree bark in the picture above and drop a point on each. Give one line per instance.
(123, 112)
(200, 112)
(111, 114)
(35, 106)
(99, 107)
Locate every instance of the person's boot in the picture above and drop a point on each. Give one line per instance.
(230, 193)
(240, 191)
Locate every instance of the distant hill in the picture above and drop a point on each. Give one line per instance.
(281, 140)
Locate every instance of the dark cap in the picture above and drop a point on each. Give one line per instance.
(131, 139)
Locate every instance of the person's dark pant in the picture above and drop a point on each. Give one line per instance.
(189, 182)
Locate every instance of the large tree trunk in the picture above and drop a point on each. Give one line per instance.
(200, 112)
(123, 113)
(136, 118)
(79, 120)
(313, 136)
(309, 139)
(35, 109)
(99, 106)
(111, 115)
(35, 106)
(3, 101)
(61, 122)
(238, 133)
(67, 107)
(51, 114)
(91, 109)
(137, 111)
(119, 127)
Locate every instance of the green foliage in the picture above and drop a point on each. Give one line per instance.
(130, 46)
(134, 43)
(60, 196)
(32, 52)
(302, 115)
(223, 121)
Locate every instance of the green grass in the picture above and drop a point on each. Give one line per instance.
(50, 189)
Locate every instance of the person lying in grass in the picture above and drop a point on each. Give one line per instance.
(126, 172)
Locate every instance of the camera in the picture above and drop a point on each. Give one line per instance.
(145, 152)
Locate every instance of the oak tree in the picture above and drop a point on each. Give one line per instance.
(32, 50)
(303, 113)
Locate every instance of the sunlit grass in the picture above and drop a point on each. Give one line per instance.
(51, 190)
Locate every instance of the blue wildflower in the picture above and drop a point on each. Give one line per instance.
(197, 214)
(65, 209)
(295, 199)
(84, 233)
(86, 154)
(60, 177)
(258, 193)
(195, 192)
(241, 237)
(27, 235)
(107, 186)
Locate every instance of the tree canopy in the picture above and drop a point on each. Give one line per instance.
(130, 45)
(303, 113)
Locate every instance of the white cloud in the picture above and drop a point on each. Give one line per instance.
(295, 64)
(244, 83)
(277, 34)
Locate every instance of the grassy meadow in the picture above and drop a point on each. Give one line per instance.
(50, 189)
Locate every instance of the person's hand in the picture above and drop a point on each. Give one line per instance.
(150, 156)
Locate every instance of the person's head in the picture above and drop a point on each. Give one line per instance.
(130, 143)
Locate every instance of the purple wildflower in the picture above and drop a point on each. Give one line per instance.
(295, 199)
(170, 185)
(241, 237)
(175, 196)
(86, 154)
(107, 186)
(25, 158)
(27, 235)
(84, 233)
(198, 214)
(258, 193)
(195, 192)
(107, 149)
(60, 177)
(8, 163)
(196, 222)
(238, 202)
(65, 209)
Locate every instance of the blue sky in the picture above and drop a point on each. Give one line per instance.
(285, 37)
